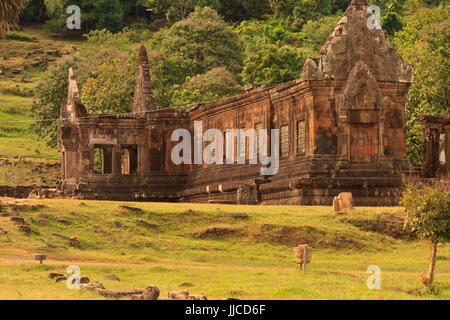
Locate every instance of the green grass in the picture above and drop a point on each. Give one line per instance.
(254, 262)
(18, 141)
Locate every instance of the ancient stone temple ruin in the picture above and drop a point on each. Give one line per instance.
(342, 129)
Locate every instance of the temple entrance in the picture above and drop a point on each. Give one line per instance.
(363, 142)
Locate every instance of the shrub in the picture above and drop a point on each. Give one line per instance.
(428, 214)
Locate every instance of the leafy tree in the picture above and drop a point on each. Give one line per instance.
(34, 12)
(240, 10)
(274, 64)
(428, 214)
(95, 14)
(423, 42)
(175, 10)
(101, 48)
(391, 23)
(316, 32)
(110, 88)
(213, 85)
(9, 15)
(191, 47)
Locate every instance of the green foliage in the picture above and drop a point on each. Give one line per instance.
(101, 48)
(33, 12)
(274, 64)
(423, 42)
(428, 212)
(240, 10)
(213, 85)
(19, 36)
(95, 14)
(110, 88)
(191, 47)
(274, 54)
(391, 23)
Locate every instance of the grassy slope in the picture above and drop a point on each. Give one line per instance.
(256, 262)
(18, 143)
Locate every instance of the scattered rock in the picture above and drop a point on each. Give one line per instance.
(5, 214)
(118, 224)
(197, 297)
(112, 277)
(84, 280)
(179, 295)
(3, 231)
(151, 293)
(43, 222)
(17, 220)
(25, 229)
(119, 293)
(93, 286)
(73, 242)
(54, 275)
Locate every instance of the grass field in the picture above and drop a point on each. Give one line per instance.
(252, 258)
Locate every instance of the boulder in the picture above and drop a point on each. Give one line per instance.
(93, 286)
(179, 295)
(343, 202)
(151, 293)
(119, 293)
(197, 297)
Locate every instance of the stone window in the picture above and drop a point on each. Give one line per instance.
(301, 137)
(102, 159)
(129, 159)
(284, 141)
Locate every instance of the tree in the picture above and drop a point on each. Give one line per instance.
(9, 15)
(274, 64)
(213, 85)
(428, 214)
(95, 14)
(423, 42)
(102, 47)
(191, 47)
(110, 88)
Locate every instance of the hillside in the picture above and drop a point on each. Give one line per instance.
(22, 152)
(204, 249)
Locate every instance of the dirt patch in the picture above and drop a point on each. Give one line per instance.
(212, 233)
(385, 224)
(294, 236)
(289, 236)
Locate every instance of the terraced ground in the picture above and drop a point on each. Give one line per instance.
(208, 251)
